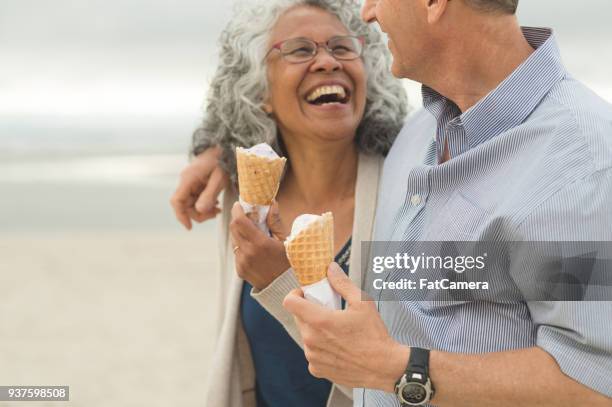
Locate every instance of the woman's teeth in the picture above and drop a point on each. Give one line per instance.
(332, 94)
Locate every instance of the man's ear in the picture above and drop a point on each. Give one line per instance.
(435, 10)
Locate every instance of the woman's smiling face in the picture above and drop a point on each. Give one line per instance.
(293, 85)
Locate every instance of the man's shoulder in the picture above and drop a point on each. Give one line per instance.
(574, 115)
(569, 147)
(586, 105)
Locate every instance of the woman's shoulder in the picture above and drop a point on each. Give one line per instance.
(366, 194)
(370, 168)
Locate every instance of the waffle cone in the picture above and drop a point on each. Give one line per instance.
(312, 250)
(258, 177)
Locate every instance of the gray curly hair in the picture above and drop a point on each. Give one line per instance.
(234, 113)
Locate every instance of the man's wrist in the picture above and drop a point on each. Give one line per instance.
(396, 361)
(198, 150)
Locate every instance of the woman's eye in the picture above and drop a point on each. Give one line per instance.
(341, 49)
(301, 51)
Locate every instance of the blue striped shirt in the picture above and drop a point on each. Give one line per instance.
(531, 161)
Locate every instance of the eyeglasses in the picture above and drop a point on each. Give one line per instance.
(299, 50)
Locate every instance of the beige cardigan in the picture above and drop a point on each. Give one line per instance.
(231, 380)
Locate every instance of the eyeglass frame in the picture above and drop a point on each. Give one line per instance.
(277, 46)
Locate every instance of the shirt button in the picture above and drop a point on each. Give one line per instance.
(415, 200)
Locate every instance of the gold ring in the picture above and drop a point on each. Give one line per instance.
(236, 248)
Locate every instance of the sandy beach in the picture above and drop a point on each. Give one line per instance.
(100, 288)
(124, 319)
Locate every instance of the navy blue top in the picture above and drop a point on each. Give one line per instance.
(281, 370)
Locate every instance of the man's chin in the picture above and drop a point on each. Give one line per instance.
(396, 70)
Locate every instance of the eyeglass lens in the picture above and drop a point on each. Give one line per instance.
(301, 50)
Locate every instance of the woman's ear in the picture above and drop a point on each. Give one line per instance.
(267, 107)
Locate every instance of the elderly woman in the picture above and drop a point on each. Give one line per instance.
(312, 80)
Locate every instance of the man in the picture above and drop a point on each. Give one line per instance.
(520, 147)
(512, 148)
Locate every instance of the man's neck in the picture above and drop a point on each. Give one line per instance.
(486, 54)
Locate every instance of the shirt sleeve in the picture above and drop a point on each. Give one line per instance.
(577, 334)
(271, 299)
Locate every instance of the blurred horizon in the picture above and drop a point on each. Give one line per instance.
(140, 65)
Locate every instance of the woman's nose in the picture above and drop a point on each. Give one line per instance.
(325, 62)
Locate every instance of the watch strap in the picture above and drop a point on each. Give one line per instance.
(418, 363)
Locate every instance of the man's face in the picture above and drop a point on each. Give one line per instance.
(405, 22)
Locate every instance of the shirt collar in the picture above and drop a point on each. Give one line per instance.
(513, 100)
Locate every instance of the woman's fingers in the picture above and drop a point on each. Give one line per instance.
(244, 224)
(275, 224)
(259, 258)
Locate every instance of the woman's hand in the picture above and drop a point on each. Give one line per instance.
(260, 259)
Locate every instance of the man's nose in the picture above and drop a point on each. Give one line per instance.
(323, 61)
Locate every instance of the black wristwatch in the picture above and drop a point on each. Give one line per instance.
(414, 388)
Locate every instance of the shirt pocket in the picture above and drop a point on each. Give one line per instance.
(458, 220)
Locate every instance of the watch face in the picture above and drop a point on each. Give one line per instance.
(414, 393)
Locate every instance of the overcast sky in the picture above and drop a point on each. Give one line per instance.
(164, 22)
(154, 57)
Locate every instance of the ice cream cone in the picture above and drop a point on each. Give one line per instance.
(311, 249)
(258, 176)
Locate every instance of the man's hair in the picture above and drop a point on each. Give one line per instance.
(495, 6)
